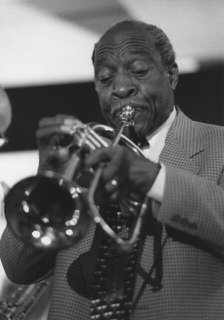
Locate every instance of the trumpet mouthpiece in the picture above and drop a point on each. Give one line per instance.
(127, 116)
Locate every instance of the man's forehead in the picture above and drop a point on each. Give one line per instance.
(133, 41)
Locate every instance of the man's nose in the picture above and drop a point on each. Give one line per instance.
(123, 87)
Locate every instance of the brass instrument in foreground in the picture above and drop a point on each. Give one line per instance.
(26, 302)
(49, 210)
(23, 301)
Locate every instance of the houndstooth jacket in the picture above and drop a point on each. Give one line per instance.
(192, 214)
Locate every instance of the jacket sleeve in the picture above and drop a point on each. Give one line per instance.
(193, 206)
(24, 265)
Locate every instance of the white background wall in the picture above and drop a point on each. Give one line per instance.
(51, 41)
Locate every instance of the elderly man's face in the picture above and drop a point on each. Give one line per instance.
(129, 71)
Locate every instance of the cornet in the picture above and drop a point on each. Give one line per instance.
(50, 211)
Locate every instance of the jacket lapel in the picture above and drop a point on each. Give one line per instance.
(183, 145)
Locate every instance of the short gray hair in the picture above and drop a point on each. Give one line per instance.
(162, 42)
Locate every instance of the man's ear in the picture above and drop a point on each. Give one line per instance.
(173, 74)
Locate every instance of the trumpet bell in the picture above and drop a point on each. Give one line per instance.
(47, 212)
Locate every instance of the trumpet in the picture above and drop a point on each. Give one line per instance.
(50, 211)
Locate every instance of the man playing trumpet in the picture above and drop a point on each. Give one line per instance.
(175, 270)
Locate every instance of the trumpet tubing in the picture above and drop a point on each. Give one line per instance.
(48, 210)
(27, 302)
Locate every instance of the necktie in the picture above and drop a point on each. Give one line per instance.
(143, 143)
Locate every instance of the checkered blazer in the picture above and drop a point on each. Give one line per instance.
(192, 213)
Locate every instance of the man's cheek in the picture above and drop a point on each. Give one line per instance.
(143, 125)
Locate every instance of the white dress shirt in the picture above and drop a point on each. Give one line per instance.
(152, 152)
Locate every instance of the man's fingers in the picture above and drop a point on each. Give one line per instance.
(48, 131)
(58, 120)
(98, 156)
(112, 185)
(56, 130)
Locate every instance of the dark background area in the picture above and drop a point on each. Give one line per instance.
(199, 95)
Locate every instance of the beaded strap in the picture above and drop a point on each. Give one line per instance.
(114, 277)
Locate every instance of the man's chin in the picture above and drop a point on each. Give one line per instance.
(139, 130)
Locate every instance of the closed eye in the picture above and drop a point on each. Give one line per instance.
(140, 72)
(106, 80)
